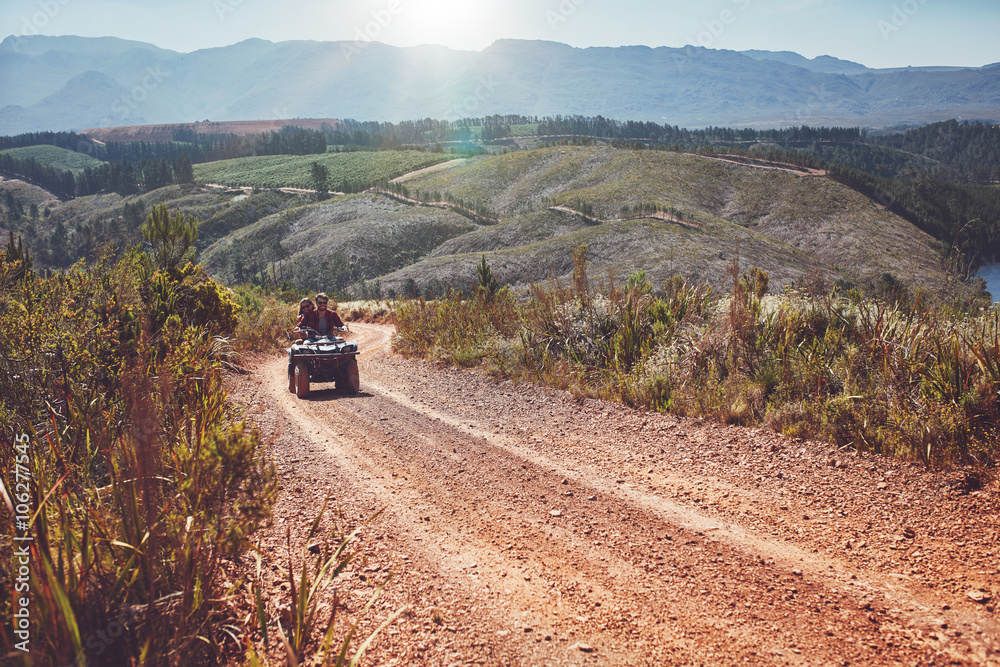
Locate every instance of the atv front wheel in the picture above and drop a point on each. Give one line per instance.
(351, 381)
(301, 379)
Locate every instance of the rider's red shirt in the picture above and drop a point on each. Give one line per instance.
(311, 320)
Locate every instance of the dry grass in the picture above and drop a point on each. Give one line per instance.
(891, 375)
(145, 485)
(370, 311)
(788, 225)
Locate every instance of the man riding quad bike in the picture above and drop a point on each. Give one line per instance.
(322, 358)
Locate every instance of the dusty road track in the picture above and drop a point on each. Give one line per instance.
(527, 528)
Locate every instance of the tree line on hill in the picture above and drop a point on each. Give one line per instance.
(60, 182)
(127, 178)
(970, 151)
(608, 128)
(940, 177)
(141, 166)
(967, 152)
(289, 140)
(960, 152)
(425, 132)
(198, 147)
(121, 176)
(964, 218)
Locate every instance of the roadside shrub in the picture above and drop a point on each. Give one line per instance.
(890, 375)
(454, 327)
(145, 482)
(193, 296)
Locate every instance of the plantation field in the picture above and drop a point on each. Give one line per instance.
(53, 156)
(348, 172)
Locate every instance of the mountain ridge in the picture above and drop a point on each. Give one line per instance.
(258, 79)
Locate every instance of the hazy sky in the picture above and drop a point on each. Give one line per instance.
(877, 33)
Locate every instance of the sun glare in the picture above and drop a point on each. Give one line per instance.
(459, 25)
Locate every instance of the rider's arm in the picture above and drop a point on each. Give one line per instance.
(301, 326)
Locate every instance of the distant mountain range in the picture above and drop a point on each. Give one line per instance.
(72, 83)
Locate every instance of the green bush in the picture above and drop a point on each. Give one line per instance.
(189, 293)
(144, 479)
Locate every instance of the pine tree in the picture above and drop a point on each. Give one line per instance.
(18, 253)
(59, 245)
(171, 237)
(183, 171)
(488, 284)
(320, 179)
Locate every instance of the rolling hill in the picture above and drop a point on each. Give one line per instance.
(333, 244)
(710, 211)
(790, 225)
(787, 224)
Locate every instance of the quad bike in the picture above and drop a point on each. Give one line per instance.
(323, 359)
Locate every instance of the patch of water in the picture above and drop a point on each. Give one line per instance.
(991, 273)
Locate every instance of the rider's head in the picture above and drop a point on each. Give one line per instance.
(305, 306)
(321, 301)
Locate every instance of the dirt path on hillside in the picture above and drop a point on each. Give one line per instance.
(655, 215)
(441, 166)
(751, 162)
(527, 528)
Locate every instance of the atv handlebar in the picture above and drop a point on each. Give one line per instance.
(305, 331)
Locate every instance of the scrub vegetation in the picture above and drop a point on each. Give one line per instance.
(145, 485)
(885, 372)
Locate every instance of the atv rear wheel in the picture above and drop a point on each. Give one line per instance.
(291, 379)
(351, 380)
(301, 379)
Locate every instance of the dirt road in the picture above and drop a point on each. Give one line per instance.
(441, 166)
(528, 528)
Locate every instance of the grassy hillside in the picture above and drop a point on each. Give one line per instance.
(335, 243)
(26, 193)
(349, 172)
(53, 156)
(660, 248)
(790, 225)
(86, 223)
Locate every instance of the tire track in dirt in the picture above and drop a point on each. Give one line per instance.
(547, 534)
(833, 571)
